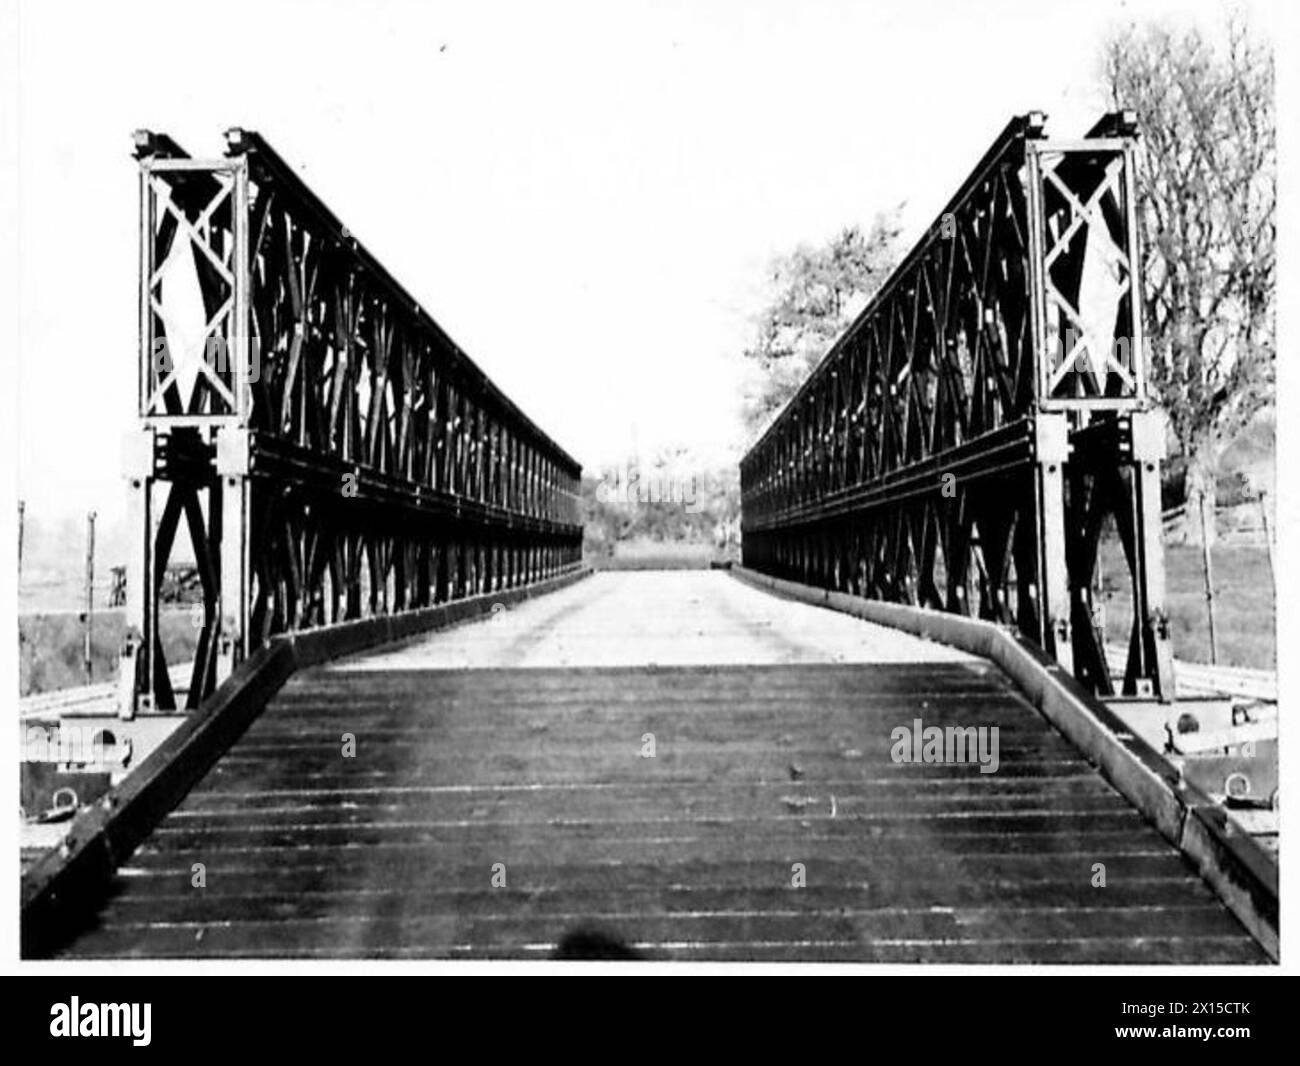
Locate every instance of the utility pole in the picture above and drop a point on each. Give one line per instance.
(1208, 569)
(1268, 541)
(22, 510)
(90, 594)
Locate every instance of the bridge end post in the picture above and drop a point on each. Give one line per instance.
(232, 500)
(136, 655)
(1151, 653)
(1051, 451)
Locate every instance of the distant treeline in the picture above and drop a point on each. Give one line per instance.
(666, 501)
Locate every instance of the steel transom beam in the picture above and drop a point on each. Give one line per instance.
(976, 433)
(333, 453)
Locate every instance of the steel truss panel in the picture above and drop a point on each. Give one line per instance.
(332, 452)
(969, 440)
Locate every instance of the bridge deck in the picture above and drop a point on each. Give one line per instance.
(519, 741)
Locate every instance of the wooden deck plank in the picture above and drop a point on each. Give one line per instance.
(918, 859)
(390, 853)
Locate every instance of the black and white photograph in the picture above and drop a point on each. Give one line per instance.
(649, 488)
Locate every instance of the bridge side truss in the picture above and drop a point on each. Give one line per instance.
(332, 453)
(968, 442)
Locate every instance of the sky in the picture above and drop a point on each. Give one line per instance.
(586, 197)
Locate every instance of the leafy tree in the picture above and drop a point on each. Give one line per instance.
(817, 294)
(1207, 193)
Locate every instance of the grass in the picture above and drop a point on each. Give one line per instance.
(1245, 621)
(51, 647)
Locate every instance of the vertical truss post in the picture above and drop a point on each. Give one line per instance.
(231, 501)
(135, 668)
(1051, 443)
(233, 452)
(1151, 655)
(1051, 449)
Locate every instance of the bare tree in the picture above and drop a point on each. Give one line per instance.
(1208, 192)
